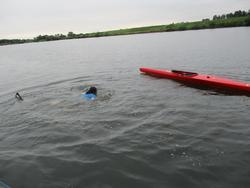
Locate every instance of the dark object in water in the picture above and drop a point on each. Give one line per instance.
(18, 97)
(92, 90)
(90, 94)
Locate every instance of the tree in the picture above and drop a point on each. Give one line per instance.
(206, 20)
(215, 17)
(238, 13)
(230, 15)
(71, 35)
(223, 16)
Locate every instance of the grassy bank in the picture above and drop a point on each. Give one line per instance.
(204, 24)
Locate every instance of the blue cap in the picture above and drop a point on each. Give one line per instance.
(88, 96)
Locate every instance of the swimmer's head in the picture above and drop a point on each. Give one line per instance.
(92, 90)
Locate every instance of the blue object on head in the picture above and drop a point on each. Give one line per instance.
(88, 96)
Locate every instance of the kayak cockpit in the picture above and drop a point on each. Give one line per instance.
(183, 73)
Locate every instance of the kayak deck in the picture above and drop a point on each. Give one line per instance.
(195, 79)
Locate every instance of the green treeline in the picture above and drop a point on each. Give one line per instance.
(237, 19)
(238, 13)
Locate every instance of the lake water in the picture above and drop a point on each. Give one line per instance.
(141, 131)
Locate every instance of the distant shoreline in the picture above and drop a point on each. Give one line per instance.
(219, 22)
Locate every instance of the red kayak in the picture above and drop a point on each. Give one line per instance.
(195, 79)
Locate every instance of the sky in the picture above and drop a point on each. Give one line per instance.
(30, 18)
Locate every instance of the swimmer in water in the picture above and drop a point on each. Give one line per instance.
(92, 90)
(90, 94)
(18, 97)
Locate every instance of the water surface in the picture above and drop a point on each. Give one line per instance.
(141, 131)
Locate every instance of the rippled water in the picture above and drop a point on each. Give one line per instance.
(141, 131)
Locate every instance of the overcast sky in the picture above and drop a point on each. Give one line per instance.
(29, 18)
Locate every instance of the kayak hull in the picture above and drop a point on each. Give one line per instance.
(200, 80)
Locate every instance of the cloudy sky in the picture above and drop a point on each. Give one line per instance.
(29, 18)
